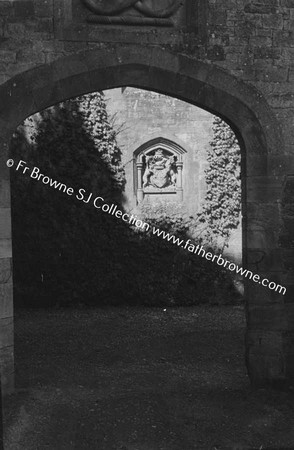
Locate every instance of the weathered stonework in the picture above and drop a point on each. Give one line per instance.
(145, 117)
(237, 64)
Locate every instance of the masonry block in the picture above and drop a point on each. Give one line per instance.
(6, 8)
(6, 332)
(269, 342)
(71, 86)
(260, 40)
(287, 54)
(289, 361)
(7, 369)
(264, 33)
(258, 237)
(261, 260)
(287, 3)
(289, 312)
(20, 100)
(271, 317)
(5, 248)
(266, 53)
(273, 21)
(256, 294)
(5, 223)
(4, 193)
(257, 165)
(77, 65)
(289, 296)
(24, 8)
(265, 215)
(216, 53)
(6, 299)
(264, 189)
(263, 225)
(286, 240)
(5, 271)
(259, 8)
(291, 75)
(44, 8)
(265, 357)
(36, 56)
(266, 369)
(288, 343)
(288, 260)
(273, 74)
(283, 38)
(45, 25)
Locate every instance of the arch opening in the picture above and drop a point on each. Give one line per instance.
(182, 77)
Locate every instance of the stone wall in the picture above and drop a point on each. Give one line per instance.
(144, 116)
(234, 58)
(141, 116)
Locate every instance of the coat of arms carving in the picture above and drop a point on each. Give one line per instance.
(160, 171)
(148, 11)
(149, 8)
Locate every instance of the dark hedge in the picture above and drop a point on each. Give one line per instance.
(67, 252)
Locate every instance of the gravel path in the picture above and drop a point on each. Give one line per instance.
(139, 379)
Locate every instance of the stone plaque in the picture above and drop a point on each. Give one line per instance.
(133, 12)
(159, 170)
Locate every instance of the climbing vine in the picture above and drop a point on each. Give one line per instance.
(60, 242)
(221, 209)
(101, 127)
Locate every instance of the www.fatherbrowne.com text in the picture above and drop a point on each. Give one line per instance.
(99, 203)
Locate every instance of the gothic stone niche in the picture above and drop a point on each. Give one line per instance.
(159, 172)
(133, 12)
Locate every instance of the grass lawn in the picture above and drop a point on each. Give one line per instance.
(139, 379)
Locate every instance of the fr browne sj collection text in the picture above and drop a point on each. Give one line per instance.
(113, 210)
(80, 194)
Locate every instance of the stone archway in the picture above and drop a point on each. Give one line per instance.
(208, 87)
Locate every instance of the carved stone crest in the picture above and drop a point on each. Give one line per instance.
(158, 9)
(160, 171)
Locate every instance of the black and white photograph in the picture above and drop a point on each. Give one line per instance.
(147, 224)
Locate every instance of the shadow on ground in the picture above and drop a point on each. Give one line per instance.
(139, 379)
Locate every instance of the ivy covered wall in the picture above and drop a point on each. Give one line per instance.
(211, 164)
(67, 252)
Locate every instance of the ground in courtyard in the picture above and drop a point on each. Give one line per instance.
(139, 379)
